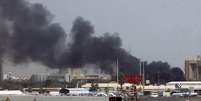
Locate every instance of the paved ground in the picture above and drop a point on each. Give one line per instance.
(86, 98)
(170, 99)
(51, 98)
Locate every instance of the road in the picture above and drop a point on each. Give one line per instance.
(87, 98)
(170, 99)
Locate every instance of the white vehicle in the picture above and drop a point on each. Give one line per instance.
(190, 94)
(140, 93)
(78, 91)
(178, 94)
(193, 94)
(101, 94)
(184, 94)
(54, 93)
(11, 92)
(111, 95)
(154, 94)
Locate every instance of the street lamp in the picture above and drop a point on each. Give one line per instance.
(142, 72)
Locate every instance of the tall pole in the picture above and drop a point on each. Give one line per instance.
(1, 73)
(140, 71)
(140, 68)
(143, 81)
(117, 70)
(158, 77)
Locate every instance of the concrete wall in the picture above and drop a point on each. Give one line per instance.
(52, 98)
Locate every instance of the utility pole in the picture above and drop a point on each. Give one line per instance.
(140, 69)
(158, 77)
(143, 81)
(117, 70)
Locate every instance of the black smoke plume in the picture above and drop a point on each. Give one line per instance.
(104, 51)
(27, 33)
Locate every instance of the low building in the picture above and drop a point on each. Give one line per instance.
(48, 80)
(56, 78)
(38, 78)
(87, 73)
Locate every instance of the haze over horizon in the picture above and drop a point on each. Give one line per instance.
(167, 30)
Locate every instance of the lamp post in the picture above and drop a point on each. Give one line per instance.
(140, 70)
(142, 73)
(117, 70)
(143, 76)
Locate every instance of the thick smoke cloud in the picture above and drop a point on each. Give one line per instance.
(28, 34)
(81, 33)
(103, 50)
(31, 35)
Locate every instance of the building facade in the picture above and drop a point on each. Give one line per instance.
(193, 69)
(85, 73)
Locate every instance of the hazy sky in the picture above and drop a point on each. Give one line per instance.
(167, 30)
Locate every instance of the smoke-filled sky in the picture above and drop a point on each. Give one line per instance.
(167, 30)
(28, 34)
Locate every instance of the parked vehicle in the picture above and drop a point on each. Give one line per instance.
(111, 95)
(101, 94)
(190, 94)
(177, 94)
(154, 94)
(184, 94)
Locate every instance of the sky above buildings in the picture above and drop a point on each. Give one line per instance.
(167, 30)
